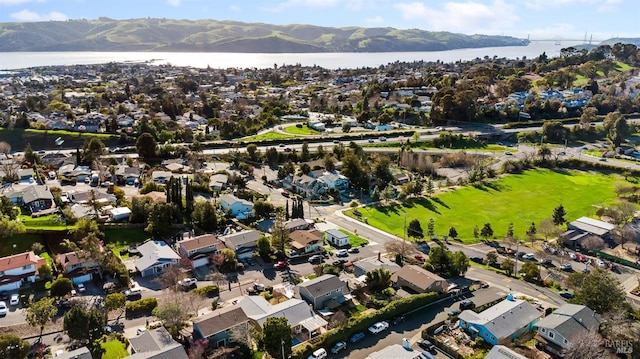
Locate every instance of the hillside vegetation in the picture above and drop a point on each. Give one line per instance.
(107, 34)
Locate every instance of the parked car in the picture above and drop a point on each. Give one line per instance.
(318, 354)
(315, 259)
(81, 288)
(546, 262)
(419, 257)
(566, 267)
(426, 345)
(15, 299)
(281, 265)
(476, 259)
(188, 282)
(378, 327)
(357, 337)
(342, 253)
(4, 296)
(353, 250)
(133, 293)
(424, 248)
(467, 304)
(529, 256)
(371, 140)
(382, 139)
(285, 193)
(338, 347)
(3, 309)
(566, 295)
(454, 312)
(601, 263)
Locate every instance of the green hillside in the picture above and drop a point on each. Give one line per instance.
(106, 34)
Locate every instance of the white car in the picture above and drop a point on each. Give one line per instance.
(188, 282)
(529, 256)
(601, 263)
(342, 253)
(15, 299)
(378, 327)
(3, 309)
(81, 288)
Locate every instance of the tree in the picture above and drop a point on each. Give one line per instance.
(304, 152)
(510, 230)
(544, 152)
(9, 227)
(401, 248)
(264, 247)
(378, 279)
(439, 260)
(115, 302)
(204, 216)
(92, 150)
(531, 232)
(486, 231)
(45, 272)
(252, 151)
(40, 313)
(599, 290)
(592, 243)
(263, 209)
(548, 229)
(329, 163)
(453, 233)
(460, 263)
(84, 227)
(61, 287)
(279, 234)
(415, 229)
(431, 228)
(172, 314)
(491, 258)
(559, 215)
(531, 271)
(146, 146)
(276, 337)
(13, 347)
(84, 325)
(588, 116)
(170, 277)
(585, 346)
(508, 265)
(476, 232)
(162, 216)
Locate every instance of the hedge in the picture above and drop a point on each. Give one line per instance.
(140, 306)
(361, 323)
(209, 290)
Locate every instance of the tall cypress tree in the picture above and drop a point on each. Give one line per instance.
(189, 199)
(286, 211)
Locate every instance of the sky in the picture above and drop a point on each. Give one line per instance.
(537, 19)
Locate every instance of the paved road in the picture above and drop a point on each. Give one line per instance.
(415, 323)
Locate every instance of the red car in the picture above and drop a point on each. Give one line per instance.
(285, 193)
(281, 265)
(419, 257)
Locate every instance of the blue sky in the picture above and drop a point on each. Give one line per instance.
(538, 18)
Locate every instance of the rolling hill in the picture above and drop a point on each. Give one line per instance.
(149, 34)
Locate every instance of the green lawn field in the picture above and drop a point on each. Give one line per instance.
(304, 130)
(114, 349)
(521, 199)
(268, 136)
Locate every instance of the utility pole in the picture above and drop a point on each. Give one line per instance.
(404, 234)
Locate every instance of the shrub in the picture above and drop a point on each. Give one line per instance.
(208, 291)
(140, 306)
(151, 186)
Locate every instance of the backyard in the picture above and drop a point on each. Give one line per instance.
(354, 240)
(114, 349)
(119, 239)
(519, 199)
(49, 222)
(304, 130)
(19, 243)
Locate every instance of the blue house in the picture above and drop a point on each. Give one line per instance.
(217, 327)
(502, 322)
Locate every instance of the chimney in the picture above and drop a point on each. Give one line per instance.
(378, 256)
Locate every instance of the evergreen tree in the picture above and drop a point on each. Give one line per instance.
(559, 215)
(189, 199)
(286, 211)
(431, 227)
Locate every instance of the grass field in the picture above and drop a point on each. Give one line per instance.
(304, 130)
(269, 136)
(22, 242)
(354, 240)
(45, 139)
(114, 349)
(520, 199)
(48, 222)
(119, 239)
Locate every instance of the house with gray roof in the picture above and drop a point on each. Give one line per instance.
(297, 312)
(80, 353)
(35, 198)
(336, 238)
(560, 329)
(502, 352)
(218, 326)
(156, 344)
(365, 265)
(243, 242)
(239, 208)
(504, 321)
(324, 291)
(156, 256)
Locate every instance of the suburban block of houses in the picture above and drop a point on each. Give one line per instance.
(17, 269)
(567, 324)
(506, 320)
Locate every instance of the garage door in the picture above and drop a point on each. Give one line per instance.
(200, 262)
(10, 286)
(81, 279)
(246, 253)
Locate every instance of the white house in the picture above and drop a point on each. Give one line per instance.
(336, 238)
(15, 270)
(77, 266)
(119, 214)
(240, 208)
(156, 256)
(335, 180)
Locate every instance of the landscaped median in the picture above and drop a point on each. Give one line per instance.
(361, 323)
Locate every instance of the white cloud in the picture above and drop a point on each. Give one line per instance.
(602, 5)
(235, 8)
(466, 17)
(173, 2)
(376, 20)
(18, 2)
(26, 15)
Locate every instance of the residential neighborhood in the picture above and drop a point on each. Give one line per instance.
(477, 209)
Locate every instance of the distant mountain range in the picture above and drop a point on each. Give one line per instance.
(106, 34)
